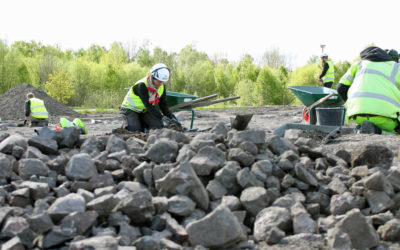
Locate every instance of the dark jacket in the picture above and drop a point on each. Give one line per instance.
(142, 91)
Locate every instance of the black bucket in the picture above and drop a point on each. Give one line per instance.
(330, 116)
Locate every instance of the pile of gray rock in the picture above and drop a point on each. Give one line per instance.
(223, 189)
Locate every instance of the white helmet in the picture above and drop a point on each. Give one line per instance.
(324, 55)
(160, 72)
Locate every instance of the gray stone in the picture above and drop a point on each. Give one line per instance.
(262, 169)
(179, 232)
(13, 244)
(394, 178)
(303, 241)
(29, 167)
(197, 144)
(372, 155)
(254, 199)
(40, 223)
(269, 218)
(185, 154)
(81, 167)
(58, 164)
(115, 144)
(304, 175)
(207, 160)
(279, 145)
(5, 169)
(117, 155)
(321, 164)
(128, 234)
(162, 151)
(70, 137)
(220, 129)
(6, 145)
(381, 219)
(183, 180)
(215, 190)
(302, 223)
(360, 171)
(66, 205)
(97, 242)
(103, 205)
(378, 201)
(376, 182)
(218, 229)
(287, 181)
(160, 204)
(147, 242)
(14, 226)
(338, 239)
(335, 160)
(138, 206)
(245, 178)
(361, 234)
(46, 145)
(344, 154)
(232, 202)
(302, 141)
(340, 204)
(292, 134)
(79, 222)
(285, 164)
(249, 147)
(35, 153)
(4, 213)
(227, 176)
(258, 137)
(89, 146)
(168, 134)
(390, 231)
(336, 186)
(37, 190)
(180, 205)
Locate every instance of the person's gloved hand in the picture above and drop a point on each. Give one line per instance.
(174, 120)
(166, 121)
(25, 122)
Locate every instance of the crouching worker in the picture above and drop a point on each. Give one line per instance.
(36, 112)
(139, 106)
(65, 123)
(371, 91)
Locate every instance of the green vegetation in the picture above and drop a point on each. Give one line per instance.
(97, 77)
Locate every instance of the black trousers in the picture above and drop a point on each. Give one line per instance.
(134, 121)
(327, 84)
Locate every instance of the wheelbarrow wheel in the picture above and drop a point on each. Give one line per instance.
(306, 115)
(310, 119)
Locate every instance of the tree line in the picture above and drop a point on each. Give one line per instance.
(97, 77)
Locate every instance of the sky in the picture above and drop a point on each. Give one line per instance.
(221, 28)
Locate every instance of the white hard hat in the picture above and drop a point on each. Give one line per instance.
(160, 72)
(324, 55)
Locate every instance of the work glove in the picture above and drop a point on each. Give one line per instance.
(25, 122)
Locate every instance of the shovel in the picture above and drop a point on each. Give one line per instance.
(241, 121)
(319, 102)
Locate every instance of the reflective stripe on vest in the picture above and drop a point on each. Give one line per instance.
(330, 73)
(376, 96)
(374, 89)
(133, 102)
(391, 78)
(38, 110)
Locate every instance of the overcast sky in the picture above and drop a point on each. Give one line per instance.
(225, 27)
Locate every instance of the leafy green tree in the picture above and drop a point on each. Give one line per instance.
(306, 75)
(200, 79)
(59, 86)
(245, 89)
(224, 80)
(143, 55)
(115, 56)
(246, 69)
(95, 53)
(340, 70)
(269, 88)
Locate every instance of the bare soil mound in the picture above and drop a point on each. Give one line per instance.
(12, 104)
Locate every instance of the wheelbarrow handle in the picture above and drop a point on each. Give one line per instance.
(319, 102)
(184, 105)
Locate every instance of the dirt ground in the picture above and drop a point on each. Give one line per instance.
(265, 118)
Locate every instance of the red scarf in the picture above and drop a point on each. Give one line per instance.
(154, 98)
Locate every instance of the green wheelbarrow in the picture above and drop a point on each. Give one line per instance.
(185, 102)
(313, 97)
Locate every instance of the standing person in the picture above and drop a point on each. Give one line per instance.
(328, 72)
(371, 91)
(36, 111)
(138, 108)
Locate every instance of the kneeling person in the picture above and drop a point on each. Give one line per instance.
(139, 106)
(36, 112)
